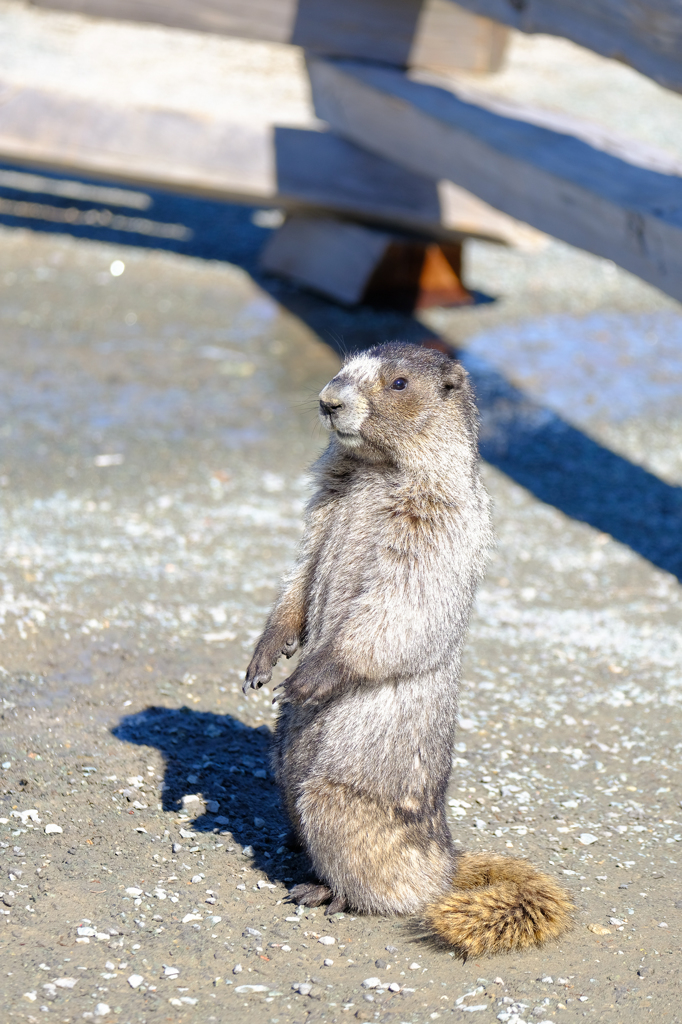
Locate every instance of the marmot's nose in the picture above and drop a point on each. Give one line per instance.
(331, 405)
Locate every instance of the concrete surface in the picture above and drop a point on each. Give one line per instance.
(156, 425)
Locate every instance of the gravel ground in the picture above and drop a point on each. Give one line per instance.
(157, 429)
(157, 419)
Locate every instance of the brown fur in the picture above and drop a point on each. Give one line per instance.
(396, 540)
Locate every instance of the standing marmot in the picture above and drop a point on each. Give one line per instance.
(396, 540)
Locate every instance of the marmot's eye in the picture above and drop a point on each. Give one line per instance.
(399, 384)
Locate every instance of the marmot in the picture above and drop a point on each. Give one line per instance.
(396, 540)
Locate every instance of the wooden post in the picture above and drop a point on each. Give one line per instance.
(352, 263)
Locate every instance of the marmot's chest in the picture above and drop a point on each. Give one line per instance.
(370, 527)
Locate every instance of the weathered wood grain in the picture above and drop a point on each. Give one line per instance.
(425, 33)
(260, 164)
(612, 205)
(647, 34)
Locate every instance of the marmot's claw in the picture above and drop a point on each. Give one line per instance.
(336, 906)
(255, 679)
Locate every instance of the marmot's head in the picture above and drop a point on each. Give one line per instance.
(399, 401)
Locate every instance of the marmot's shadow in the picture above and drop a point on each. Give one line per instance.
(225, 761)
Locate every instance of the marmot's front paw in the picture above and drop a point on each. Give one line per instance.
(266, 656)
(311, 681)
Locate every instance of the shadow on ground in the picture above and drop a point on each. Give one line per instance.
(229, 763)
(558, 463)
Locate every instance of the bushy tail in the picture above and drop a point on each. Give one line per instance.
(499, 904)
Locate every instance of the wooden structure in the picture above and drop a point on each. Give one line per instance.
(418, 33)
(394, 137)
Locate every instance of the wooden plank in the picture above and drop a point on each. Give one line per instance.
(622, 206)
(425, 33)
(329, 256)
(270, 20)
(647, 34)
(448, 37)
(353, 263)
(260, 164)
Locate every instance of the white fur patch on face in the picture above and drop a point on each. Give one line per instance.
(363, 368)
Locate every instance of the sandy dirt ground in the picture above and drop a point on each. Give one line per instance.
(156, 431)
(157, 418)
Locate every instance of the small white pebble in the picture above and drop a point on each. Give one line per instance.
(102, 1009)
(241, 886)
(286, 949)
(52, 830)
(583, 999)
(327, 940)
(196, 879)
(237, 969)
(662, 925)
(135, 980)
(586, 838)
(70, 982)
(547, 981)
(328, 963)
(170, 972)
(109, 966)
(371, 983)
(394, 987)
(31, 996)
(132, 890)
(415, 967)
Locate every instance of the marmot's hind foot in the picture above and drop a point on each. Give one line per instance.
(338, 904)
(309, 894)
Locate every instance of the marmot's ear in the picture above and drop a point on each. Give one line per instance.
(453, 377)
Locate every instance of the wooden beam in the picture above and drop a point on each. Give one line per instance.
(260, 164)
(450, 38)
(328, 256)
(353, 263)
(647, 34)
(424, 33)
(625, 207)
(270, 20)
